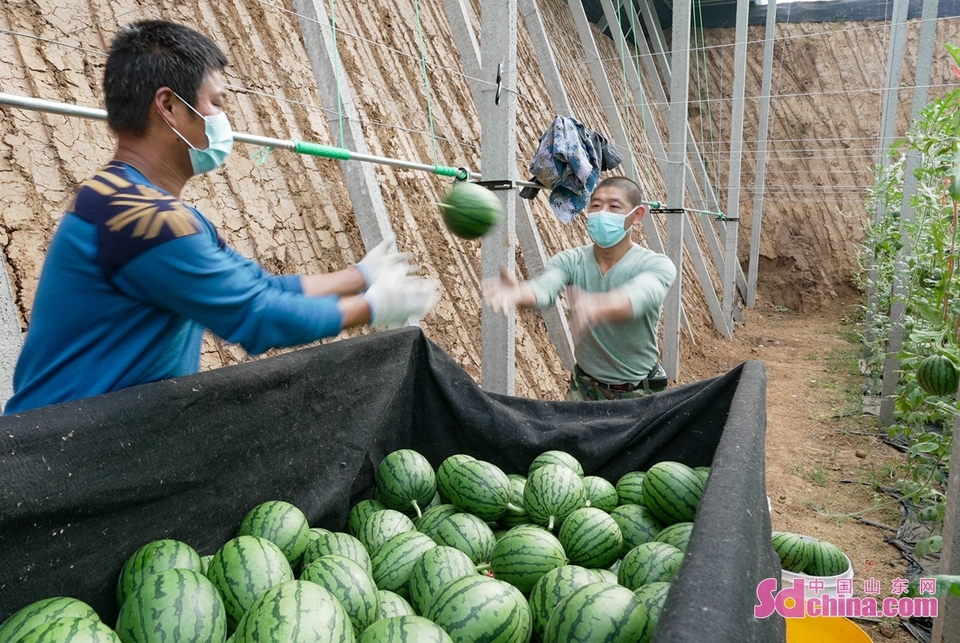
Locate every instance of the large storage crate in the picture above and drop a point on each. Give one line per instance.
(84, 484)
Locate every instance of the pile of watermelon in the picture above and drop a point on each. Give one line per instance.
(463, 553)
(809, 556)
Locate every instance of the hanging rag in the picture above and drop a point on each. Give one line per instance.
(569, 161)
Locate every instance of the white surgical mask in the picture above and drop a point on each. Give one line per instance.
(219, 141)
(606, 228)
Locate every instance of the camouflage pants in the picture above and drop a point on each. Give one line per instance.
(584, 388)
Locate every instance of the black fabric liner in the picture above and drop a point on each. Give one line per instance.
(83, 484)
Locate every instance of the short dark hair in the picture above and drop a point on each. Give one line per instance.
(148, 55)
(630, 188)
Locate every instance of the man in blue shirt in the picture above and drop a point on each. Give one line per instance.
(133, 275)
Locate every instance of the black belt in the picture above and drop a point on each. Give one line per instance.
(649, 384)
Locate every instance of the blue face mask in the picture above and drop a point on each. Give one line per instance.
(606, 228)
(219, 141)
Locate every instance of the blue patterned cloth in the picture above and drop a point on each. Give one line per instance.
(569, 161)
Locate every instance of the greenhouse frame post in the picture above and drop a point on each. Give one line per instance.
(659, 42)
(731, 228)
(921, 94)
(766, 83)
(888, 123)
(361, 178)
(498, 145)
(528, 236)
(678, 125)
(10, 337)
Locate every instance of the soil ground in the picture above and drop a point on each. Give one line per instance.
(824, 458)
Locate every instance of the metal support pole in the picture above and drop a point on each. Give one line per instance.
(731, 231)
(659, 43)
(528, 236)
(498, 144)
(765, 89)
(361, 180)
(679, 88)
(10, 336)
(548, 62)
(921, 94)
(888, 124)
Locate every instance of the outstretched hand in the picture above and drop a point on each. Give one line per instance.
(383, 261)
(399, 299)
(502, 293)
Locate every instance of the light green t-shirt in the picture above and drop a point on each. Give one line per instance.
(624, 352)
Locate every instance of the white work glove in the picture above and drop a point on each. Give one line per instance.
(399, 299)
(384, 260)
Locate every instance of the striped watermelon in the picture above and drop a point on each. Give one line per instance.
(391, 604)
(173, 606)
(70, 629)
(153, 557)
(826, 559)
(352, 586)
(295, 612)
(606, 576)
(524, 555)
(553, 587)
(406, 481)
(404, 629)
(381, 526)
(937, 375)
(393, 563)
(432, 517)
(794, 554)
(281, 523)
(359, 513)
(469, 534)
(480, 609)
(205, 563)
(39, 612)
(677, 534)
(443, 471)
(637, 525)
(591, 538)
(477, 487)
(512, 517)
(552, 492)
(653, 596)
(561, 458)
(601, 612)
(435, 568)
(672, 491)
(469, 210)
(600, 493)
(704, 473)
(243, 570)
(630, 488)
(337, 543)
(649, 563)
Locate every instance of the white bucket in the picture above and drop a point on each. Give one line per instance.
(829, 582)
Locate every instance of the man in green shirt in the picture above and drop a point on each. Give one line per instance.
(616, 290)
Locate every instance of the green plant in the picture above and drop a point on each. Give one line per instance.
(909, 263)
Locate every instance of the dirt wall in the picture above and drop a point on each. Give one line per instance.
(292, 213)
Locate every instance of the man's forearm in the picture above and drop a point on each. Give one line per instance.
(343, 282)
